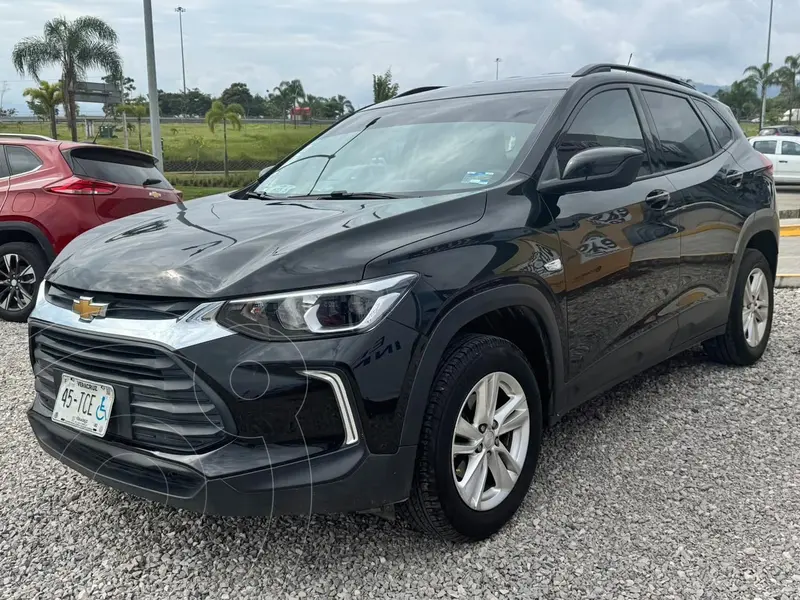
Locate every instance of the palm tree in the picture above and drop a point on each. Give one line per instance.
(291, 94)
(787, 76)
(49, 96)
(74, 46)
(220, 113)
(139, 111)
(763, 77)
(383, 88)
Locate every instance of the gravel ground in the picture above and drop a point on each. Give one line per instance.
(683, 483)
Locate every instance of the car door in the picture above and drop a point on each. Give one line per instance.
(788, 159)
(706, 209)
(4, 176)
(619, 249)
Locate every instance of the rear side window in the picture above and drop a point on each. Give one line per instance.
(3, 163)
(21, 160)
(116, 167)
(791, 148)
(766, 146)
(607, 119)
(684, 139)
(721, 130)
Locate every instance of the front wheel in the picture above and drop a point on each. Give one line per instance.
(479, 443)
(750, 319)
(22, 268)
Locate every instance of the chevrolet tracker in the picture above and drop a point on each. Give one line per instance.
(393, 314)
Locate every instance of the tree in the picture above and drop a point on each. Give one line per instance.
(139, 110)
(787, 76)
(763, 76)
(238, 93)
(45, 99)
(220, 113)
(290, 95)
(383, 88)
(74, 46)
(741, 98)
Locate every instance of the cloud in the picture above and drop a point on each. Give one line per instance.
(334, 46)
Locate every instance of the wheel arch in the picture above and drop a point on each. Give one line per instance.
(761, 231)
(22, 231)
(484, 312)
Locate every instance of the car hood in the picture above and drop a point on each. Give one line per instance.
(220, 247)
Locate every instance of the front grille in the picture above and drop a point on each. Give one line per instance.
(158, 404)
(123, 306)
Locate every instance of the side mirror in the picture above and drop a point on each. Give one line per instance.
(597, 169)
(265, 171)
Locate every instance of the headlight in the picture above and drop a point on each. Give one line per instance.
(351, 308)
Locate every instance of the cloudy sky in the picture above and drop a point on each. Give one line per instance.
(334, 46)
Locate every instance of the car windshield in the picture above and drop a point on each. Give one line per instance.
(419, 148)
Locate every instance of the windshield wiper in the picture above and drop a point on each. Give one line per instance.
(345, 195)
(260, 196)
(151, 181)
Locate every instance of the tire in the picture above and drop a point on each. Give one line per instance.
(733, 347)
(435, 505)
(15, 258)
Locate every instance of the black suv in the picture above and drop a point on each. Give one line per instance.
(394, 314)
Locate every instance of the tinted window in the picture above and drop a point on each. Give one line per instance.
(607, 119)
(21, 160)
(721, 130)
(116, 167)
(788, 130)
(766, 146)
(684, 139)
(3, 163)
(417, 148)
(792, 148)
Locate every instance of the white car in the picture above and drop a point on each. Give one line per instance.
(784, 152)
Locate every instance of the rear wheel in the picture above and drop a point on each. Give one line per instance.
(750, 319)
(22, 268)
(479, 443)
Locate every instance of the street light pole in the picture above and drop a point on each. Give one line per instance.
(180, 10)
(769, 41)
(152, 82)
(497, 62)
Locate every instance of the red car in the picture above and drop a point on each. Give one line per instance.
(51, 192)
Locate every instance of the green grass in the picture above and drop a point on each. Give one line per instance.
(190, 193)
(261, 143)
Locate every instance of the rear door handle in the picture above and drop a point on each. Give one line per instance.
(735, 178)
(657, 199)
(783, 161)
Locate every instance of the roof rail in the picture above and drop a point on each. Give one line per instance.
(607, 67)
(419, 90)
(26, 136)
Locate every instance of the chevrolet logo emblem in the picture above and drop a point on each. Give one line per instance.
(88, 310)
(155, 194)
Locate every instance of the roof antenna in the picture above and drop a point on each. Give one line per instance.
(629, 59)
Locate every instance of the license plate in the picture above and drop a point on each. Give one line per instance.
(84, 405)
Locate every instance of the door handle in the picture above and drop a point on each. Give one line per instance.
(783, 161)
(657, 199)
(735, 178)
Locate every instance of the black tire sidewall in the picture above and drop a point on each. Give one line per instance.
(750, 260)
(34, 257)
(505, 358)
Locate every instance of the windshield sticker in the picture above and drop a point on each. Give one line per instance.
(478, 177)
(283, 190)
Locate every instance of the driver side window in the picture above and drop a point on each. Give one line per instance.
(606, 120)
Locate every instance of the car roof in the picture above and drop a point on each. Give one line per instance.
(774, 138)
(594, 74)
(64, 144)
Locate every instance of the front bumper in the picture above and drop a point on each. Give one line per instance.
(349, 479)
(291, 428)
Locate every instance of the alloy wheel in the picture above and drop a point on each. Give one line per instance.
(17, 283)
(755, 307)
(490, 442)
